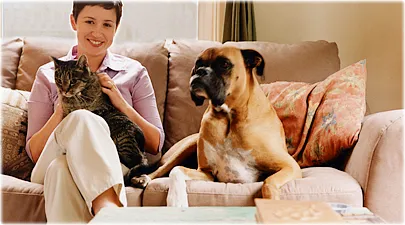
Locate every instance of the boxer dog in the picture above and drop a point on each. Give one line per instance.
(241, 138)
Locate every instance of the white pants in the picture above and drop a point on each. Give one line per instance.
(78, 163)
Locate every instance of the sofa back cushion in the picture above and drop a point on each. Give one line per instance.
(154, 57)
(37, 51)
(309, 61)
(10, 57)
(182, 117)
(306, 62)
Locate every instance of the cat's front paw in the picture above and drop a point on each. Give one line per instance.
(141, 182)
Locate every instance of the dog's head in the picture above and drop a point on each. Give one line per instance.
(223, 74)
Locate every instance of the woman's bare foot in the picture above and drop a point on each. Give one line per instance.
(106, 199)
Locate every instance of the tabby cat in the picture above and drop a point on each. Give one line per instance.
(79, 88)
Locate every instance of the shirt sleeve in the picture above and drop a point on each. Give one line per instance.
(144, 102)
(40, 105)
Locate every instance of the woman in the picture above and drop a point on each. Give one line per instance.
(75, 157)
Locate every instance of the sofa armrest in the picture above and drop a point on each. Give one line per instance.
(377, 164)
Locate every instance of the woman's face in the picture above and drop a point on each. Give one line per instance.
(95, 28)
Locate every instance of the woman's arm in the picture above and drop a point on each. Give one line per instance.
(42, 119)
(39, 139)
(144, 106)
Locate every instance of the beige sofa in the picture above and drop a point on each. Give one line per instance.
(371, 176)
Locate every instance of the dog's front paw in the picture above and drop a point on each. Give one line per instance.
(177, 198)
(141, 182)
(177, 202)
(270, 191)
(177, 194)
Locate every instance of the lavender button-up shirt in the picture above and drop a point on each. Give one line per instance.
(129, 75)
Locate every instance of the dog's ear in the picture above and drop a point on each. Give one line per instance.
(198, 101)
(253, 59)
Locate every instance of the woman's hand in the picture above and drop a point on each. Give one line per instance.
(108, 87)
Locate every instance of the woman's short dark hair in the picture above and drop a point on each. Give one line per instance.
(115, 4)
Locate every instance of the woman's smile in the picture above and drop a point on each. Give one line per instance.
(95, 43)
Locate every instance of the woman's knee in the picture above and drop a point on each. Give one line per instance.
(58, 167)
(80, 114)
(84, 116)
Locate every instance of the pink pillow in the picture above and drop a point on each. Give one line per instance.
(322, 120)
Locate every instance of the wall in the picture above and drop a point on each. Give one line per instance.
(1, 19)
(141, 20)
(371, 31)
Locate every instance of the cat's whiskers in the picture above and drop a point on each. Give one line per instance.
(80, 100)
(84, 97)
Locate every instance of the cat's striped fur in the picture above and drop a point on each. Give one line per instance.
(79, 88)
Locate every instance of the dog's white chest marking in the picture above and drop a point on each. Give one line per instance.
(224, 107)
(227, 165)
(233, 165)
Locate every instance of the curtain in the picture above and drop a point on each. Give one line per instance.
(239, 22)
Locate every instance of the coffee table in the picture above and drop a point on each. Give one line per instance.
(228, 215)
(176, 215)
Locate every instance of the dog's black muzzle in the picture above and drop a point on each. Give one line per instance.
(206, 84)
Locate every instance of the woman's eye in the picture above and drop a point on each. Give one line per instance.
(89, 22)
(107, 25)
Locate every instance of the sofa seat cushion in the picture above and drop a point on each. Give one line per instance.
(318, 184)
(23, 201)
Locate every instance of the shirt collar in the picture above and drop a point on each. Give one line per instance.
(110, 61)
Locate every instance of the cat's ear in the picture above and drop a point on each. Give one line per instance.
(55, 61)
(82, 61)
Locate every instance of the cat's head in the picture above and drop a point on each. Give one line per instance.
(72, 76)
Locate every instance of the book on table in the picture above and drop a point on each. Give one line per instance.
(287, 211)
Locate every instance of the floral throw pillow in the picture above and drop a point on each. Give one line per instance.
(321, 121)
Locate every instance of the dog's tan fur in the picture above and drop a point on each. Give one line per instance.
(247, 122)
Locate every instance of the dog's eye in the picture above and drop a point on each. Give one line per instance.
(198, 63)
(224, 65)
